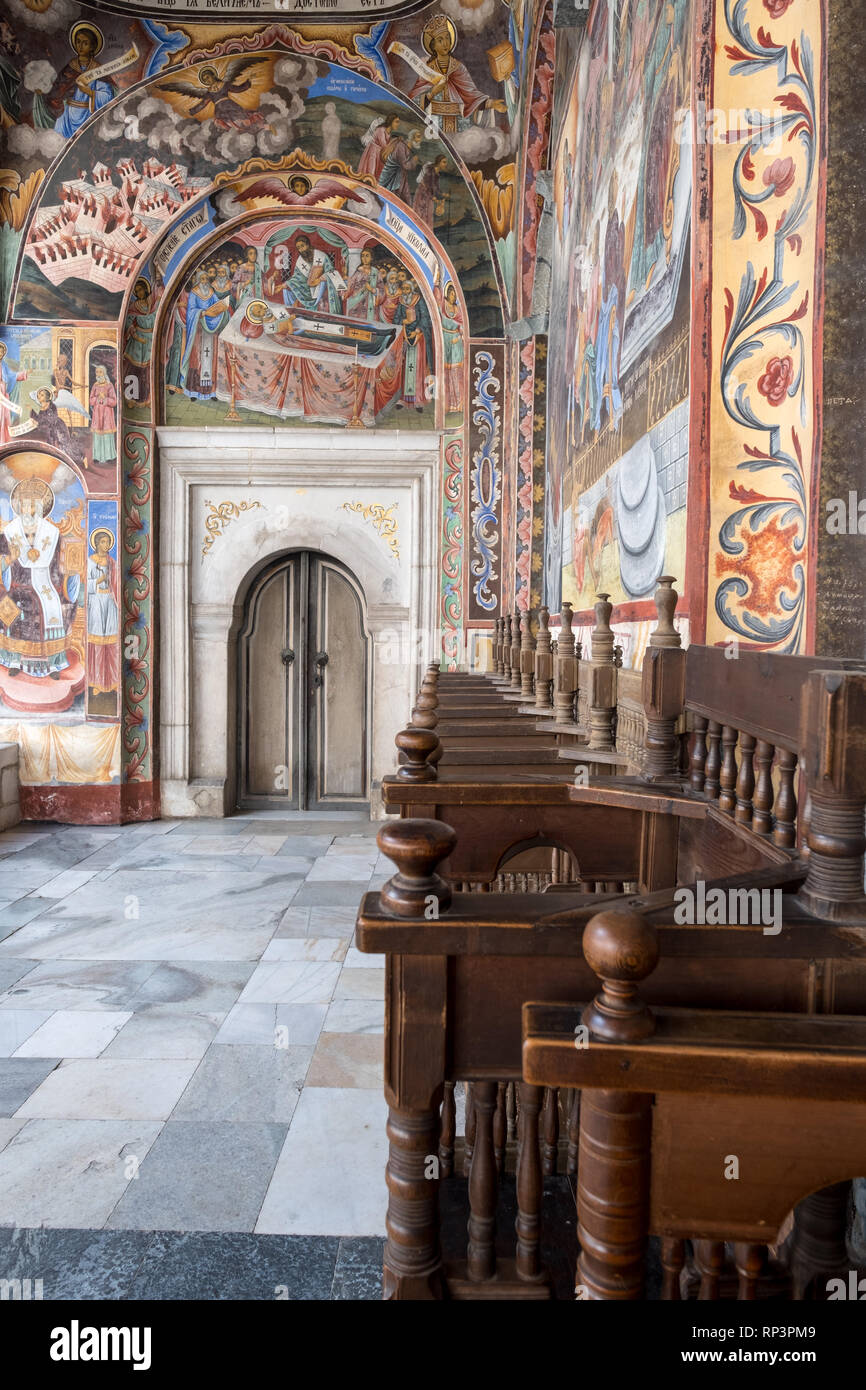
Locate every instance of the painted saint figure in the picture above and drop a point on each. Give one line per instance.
(311, 283)
(103, 418)
(247, 278)
(413, 314)
(39, 601)
(429, 202)
(399, 158)
(220, 92)
(138, 342)
(49, 426)
(76, 96)
(374, 141)
(206, 316)
(453, 82)
(10, 393)
(103, 660)
(364, 292)
(453, 356)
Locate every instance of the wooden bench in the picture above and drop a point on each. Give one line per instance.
(460, 966)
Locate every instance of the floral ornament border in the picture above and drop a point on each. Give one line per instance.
(767, 309)
(380, 518)
(137, 624)
(526, 391)
(218, 518)
(485, 480)
(451, 579)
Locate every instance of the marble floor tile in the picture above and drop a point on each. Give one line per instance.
(70, 1173)
(308, 846)
(292, 982)
(79, 984)
(237, 1265)
(347, 1059)
(333, 921)
(306, 948)
(210, 844)
(75, 1264)
(330, 1175)
(295, 921)
(357, 960)
(162, 1031)
(19, 1078)
(17, 914)
(17, 1025)
(246, 1083)
(355, 1016)
(64, 883)
(202, 986)
(201, 1176)
(109, 1089)
(74, 1033)
(360, 984)
(299, 1024)
(358, 1271)
(342, 868)
(11, 971)
(8, 1129)
(327, 894)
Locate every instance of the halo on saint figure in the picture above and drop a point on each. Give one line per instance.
(257, 311)
(436, 26)
(141, 288)
(50, 392)
(301, 179)
(34, 489)
(87, 27)
(3, 350)
(102, 531)
(208, 76)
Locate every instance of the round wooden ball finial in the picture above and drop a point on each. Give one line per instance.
(416, 847)
(424, 714)
(621, 948)
(416, 745)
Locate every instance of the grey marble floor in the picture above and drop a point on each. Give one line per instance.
(189, 1041)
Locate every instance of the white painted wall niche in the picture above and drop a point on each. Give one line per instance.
(230, 501)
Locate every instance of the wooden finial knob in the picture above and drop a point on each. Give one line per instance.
(416, 847)
(620, 948)
(666, 599)
(424, 714)
(417, 744)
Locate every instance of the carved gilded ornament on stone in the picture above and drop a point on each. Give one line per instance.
(381, 519)
(219, 516)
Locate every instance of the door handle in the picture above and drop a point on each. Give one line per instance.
(321, 661)
(287, 656)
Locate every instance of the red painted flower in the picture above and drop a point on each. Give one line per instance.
(776, 379)
(780, 175)
(776, 8)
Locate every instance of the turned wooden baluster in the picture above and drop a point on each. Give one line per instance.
(413, 1261)
(573, 1133)
(749, 1261)
(481, 1253)
(543, 663)
(744, 812)
(602, 694)
(447, 1132)
(834, 762)
(785, 832)
(565, 670)
(549, 1131)
(417, 746)
(515, 651)
(762, 817)
(673, 1258)
(818, 1251)
(497, 644)
(663, 688)
(714, 759)
(468, 1130)
(710, 1262)
(698, 759)
(500, 1128)
(615, 1126)
(424, 715)
(527, 656)
(529, 1184)
(728, 773)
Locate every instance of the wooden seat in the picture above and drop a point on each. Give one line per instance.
(700, 1125)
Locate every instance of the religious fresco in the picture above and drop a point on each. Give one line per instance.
(310, 321)
(619, 352)
(763, 447)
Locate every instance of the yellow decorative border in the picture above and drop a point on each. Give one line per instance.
(381, 519)
(218, 518)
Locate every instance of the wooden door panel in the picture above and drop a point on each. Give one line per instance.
(269, 693)
(338, 727)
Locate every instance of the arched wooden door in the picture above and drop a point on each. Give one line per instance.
(304, 668)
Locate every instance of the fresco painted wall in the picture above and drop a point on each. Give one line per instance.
(619, 351)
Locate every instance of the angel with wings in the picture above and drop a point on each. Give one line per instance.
(211, 89)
